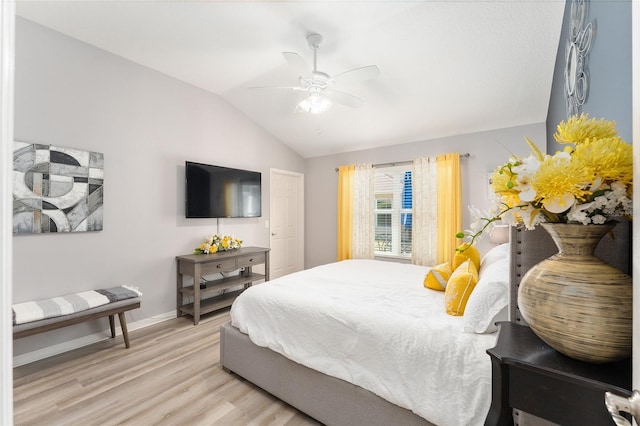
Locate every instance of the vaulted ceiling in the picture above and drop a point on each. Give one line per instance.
(446, 67)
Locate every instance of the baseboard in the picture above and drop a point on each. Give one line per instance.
(50, 351)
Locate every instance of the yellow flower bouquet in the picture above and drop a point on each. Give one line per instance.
(216, 243)
(589, 182)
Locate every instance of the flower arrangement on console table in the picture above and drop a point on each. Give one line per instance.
(574, 301)
(216, 243)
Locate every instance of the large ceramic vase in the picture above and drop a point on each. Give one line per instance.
(575, 302)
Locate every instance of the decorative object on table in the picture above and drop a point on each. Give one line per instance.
(577, 303)
(579, 42)
(216, 243)
(573, 301)
(56, 189)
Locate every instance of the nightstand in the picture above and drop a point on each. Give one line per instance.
(529, 375)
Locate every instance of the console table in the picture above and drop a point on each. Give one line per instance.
(209, 296)
(529, 375)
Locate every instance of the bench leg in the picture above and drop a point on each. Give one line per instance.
(112, 325)
(123, 325)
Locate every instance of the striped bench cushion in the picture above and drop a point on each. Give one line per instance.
(70, 304)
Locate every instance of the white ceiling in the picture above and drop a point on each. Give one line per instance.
(447, 67)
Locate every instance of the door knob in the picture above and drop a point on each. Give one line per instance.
(616, 404)
(274, 234)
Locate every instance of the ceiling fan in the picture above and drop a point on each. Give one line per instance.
(320, 86)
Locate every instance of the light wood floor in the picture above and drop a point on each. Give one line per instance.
(171, 375)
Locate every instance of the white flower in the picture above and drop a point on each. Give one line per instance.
(477, 217)
(525, 172)
(599, 202)
(527, 165)
(619, 189)
(596, 185)
(579, 216)
(559, 204)
(510, 217)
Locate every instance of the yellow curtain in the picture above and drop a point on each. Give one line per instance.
(449, 205)
(345, 211)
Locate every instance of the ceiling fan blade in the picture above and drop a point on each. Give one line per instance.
(357, 74)
(296, 62)
(343, 98)
(276, 87)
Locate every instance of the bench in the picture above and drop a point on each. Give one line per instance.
(110, 309)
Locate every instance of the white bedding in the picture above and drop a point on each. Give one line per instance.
(372, 323)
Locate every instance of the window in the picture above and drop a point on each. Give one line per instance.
(393, 211)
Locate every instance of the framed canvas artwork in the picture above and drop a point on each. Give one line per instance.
(56, 189)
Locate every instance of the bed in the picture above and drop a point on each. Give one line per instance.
(364, 342)
(335, 401)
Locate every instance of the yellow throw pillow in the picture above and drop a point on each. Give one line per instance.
(464, 252)
(459, 288)
(438, 276)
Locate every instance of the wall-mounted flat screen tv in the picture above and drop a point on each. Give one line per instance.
(217, 192)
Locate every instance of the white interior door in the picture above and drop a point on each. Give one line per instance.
(287, 223)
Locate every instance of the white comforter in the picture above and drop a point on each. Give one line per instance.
(373, 324)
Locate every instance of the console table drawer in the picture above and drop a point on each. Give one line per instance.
(255, 259)
(221, 265)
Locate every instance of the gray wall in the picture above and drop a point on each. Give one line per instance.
(487, 149)
(609, 65)
(147, 124)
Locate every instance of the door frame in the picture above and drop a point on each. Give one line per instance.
(635, 114)
(7, 58)
(300, 210)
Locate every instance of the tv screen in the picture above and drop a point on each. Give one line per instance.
(215, 192)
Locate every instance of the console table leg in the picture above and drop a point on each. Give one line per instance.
(179, 296)
(197, 275)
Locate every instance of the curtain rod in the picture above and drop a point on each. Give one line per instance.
(403, 163)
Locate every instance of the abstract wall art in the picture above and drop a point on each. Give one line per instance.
(56, 189)
(576, 73)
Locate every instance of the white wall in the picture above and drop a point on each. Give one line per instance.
(488, 150)
(147, 124)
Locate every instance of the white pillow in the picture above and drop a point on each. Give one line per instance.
(489, 301)
(495, 254)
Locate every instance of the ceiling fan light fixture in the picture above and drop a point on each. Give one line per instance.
(314, 104)
(319, 86)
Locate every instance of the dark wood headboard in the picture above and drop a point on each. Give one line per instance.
(531, 247)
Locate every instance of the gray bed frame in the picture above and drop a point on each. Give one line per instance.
(335, 402)
(327, 399)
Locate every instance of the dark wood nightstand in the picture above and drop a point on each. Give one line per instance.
(529, 375)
